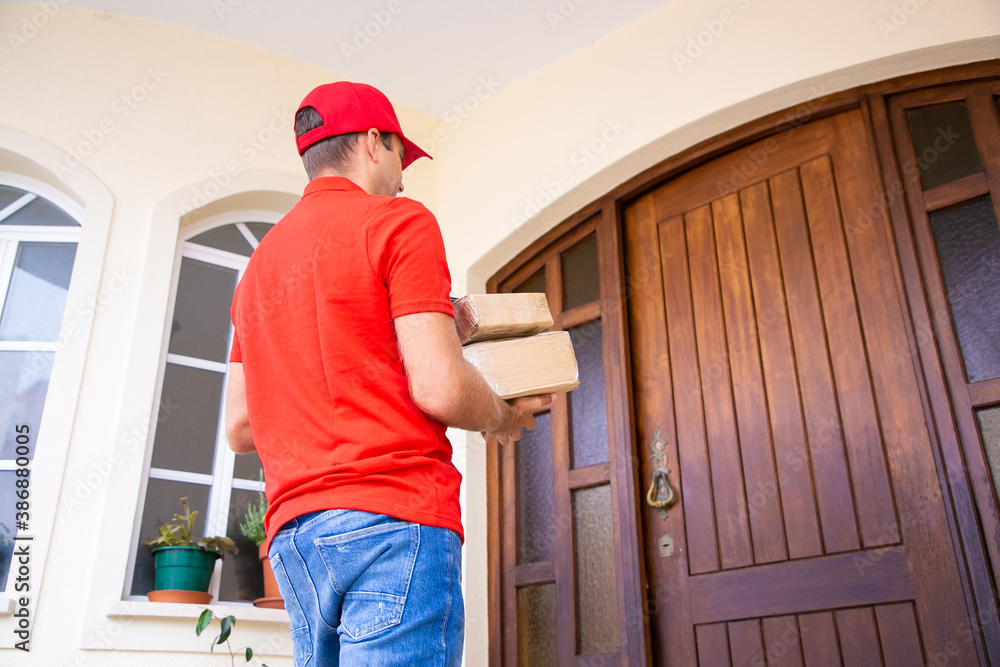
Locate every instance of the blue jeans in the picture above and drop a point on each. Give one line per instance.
(370, 589)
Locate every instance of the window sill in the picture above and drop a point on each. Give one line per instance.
(7, 605)
(141, 607)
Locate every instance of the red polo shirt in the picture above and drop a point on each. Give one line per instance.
(327, 396)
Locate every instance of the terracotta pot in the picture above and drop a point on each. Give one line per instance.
(189, 597)
(272, 597)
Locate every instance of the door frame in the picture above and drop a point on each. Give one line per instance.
(964, 520)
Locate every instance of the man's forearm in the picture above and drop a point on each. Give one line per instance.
(446, 386)
(461, 398)
(237, 420)
(482, 410)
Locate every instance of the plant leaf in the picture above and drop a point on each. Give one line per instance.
(203, 622)
(227, 628)
(249, 654)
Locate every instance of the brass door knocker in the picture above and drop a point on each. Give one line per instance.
(661, 494)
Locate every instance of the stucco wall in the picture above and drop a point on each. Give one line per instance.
(534, 153)
(170, 118)
(163, 120)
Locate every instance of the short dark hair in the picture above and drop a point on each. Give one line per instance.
(333, 152)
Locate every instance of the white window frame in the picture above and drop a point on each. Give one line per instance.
(11, 236)
(221, 482)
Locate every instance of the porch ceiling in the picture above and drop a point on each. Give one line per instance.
(428, 55)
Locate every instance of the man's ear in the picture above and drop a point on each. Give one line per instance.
(372, 139)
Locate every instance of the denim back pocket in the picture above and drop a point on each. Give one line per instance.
(371, 568)
(298, 625)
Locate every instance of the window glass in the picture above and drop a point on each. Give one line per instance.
(968, 246)
(24, 381)
(189, 436)
(596, 587)
(36, 297)
(187, 432)
(533, 285)
(533, 470)
(989, 432)
(38, 212)
(201, 311)
(581, 280)
(8, 196)
(226, 238)
(8, 478)
(259, 229)
(34, 283)
(242, 573)
(587, 409)
(537, 640)
(247, 466)
(943, 143)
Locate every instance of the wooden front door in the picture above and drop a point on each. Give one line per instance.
(770, 351)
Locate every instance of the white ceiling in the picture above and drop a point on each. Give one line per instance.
(428, 54)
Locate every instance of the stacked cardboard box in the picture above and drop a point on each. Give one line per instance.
(501, 338)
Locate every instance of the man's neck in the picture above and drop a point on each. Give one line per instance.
(354, 176)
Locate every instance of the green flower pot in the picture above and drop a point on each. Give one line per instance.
(183, 568)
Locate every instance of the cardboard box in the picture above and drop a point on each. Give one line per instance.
(541, 364)
(481, 317)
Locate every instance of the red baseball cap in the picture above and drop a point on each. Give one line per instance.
(353, 107)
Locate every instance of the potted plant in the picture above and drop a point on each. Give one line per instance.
(252, 528)
(183, 565)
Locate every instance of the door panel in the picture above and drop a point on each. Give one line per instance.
(769, 347)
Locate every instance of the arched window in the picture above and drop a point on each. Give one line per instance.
(189, 456)
(39, 232)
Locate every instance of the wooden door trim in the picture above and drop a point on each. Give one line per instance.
(765, 589)
(735, 139)
(984, 392)
(600, 220)
(933, 385)
(530, 259)
(948, 403)
(956, 191)
(793, 117)
(625, 465)
(939, 409)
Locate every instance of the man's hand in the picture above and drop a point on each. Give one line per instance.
(524, 417)
(448, 388)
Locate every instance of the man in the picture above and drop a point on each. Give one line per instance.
(345, 372)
